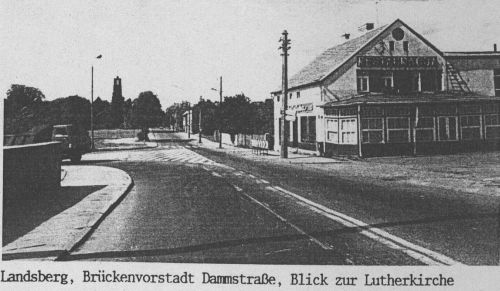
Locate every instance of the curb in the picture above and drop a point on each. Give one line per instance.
(94, 224)
(80, 224)
(125, 149)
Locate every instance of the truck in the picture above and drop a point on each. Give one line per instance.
(74, 141)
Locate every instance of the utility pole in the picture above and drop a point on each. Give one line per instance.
(220, 117)
(189, 121)
(92, 146)
(199, 121)
(285, 42)
(92, 110)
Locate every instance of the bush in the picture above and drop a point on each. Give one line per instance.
(141, 136)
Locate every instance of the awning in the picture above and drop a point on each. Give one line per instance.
(417, 98)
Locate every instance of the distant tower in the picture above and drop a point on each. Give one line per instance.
(117, 102)
(117, 88)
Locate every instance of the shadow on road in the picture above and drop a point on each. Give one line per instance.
(262, 240)
(22, 215)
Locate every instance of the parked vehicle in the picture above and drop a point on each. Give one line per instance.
(75, 141)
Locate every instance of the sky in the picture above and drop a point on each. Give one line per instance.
(179, 49)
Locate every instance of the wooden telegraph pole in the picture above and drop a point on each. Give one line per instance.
(199, 121)
(220, 117)
(285, 42)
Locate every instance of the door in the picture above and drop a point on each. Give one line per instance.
(295, 134)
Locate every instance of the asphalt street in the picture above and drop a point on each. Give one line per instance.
(212, 207)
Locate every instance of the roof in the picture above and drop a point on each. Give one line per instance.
(330, 60)
(416, 98)
(477, 54)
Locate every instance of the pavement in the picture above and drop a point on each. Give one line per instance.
(472, 173)
(60, 233)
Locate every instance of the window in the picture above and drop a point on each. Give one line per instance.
(496, 74)
(398, 129)
(492, 124)
(405, 46)
(388, 81)
(447, 126)
(332, 129)
(471, 127)
(277, 98)
(298, 94)
(348, 130)
(372, 130)
(312, 128)
(425, 129)
(290, 96)
(363, 84)
(391, 46)
(308, 128)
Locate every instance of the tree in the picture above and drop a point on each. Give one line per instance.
(127, 113)
(262, 121)
(237, 114)
(102, 114)
(173, 114)
(146, 111)
(19, 96)
(208, 116)
(21, 107)
(73, 110)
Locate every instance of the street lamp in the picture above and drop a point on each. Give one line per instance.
(92, 107)
(220, 110)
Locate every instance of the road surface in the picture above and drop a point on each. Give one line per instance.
(193, 204)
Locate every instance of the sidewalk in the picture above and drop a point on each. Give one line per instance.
(124, 144)
(60, 233)
(474, 173)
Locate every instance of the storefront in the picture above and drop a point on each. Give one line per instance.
(391, 92)
(405, 125)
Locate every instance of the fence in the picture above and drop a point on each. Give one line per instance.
(244, 140)
(115, 133)
(17, 139)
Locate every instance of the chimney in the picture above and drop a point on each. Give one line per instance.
(367, 26)
(494, 47)
(346, 35)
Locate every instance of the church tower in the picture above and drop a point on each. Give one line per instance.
(117, 102)
(117, 88)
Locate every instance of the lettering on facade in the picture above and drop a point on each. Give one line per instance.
(307, 107)
(397, 62)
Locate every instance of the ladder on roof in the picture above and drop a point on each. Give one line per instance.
(455, 79)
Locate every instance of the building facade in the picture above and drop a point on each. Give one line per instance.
(391, 92)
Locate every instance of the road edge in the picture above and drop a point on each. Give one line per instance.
(116, 192)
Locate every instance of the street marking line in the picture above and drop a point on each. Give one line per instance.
(415, 251)
(311, 238)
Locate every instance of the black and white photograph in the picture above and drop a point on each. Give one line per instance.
(345, 144)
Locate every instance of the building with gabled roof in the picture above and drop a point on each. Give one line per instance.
(391, 91)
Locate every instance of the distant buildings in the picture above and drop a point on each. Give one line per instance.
(391, 92)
